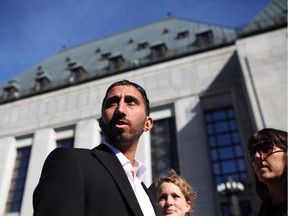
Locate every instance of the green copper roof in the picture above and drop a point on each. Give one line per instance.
(129, 50)
(272, 16)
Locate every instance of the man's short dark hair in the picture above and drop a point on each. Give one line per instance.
(137, 86)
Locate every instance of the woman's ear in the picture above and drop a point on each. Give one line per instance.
(148, 124)
(188, 206)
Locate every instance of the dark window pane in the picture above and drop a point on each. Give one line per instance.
(238, 151)
(21, 182)
(223, 139)
(25, 162)
(22, 173)
(219, 115)
(18, 196)
(221, 127)
(226, 153)
(15, 207)
(236, 138)
(229, 166)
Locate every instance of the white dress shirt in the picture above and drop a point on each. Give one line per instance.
(138, 169)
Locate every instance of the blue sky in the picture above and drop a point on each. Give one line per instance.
(33, 30)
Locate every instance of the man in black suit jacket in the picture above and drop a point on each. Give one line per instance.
(82, 182)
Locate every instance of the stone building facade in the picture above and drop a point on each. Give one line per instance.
(209, 86)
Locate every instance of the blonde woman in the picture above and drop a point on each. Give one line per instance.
(175, 195)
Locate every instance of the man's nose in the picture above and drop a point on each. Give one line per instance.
(121, 108)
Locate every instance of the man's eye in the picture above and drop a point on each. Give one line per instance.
(111, 102)
(131, 100)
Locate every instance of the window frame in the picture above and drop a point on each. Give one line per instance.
(240, 173)
(163, 114)
(24, 142)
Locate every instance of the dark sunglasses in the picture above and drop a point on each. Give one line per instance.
(264, 149)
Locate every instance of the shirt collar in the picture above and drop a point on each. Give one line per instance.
(138, 166)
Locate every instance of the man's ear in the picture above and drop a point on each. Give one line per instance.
(100, 122)
(148, 124)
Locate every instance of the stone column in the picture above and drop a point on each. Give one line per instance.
(144, 155)
(87, 134)
(43, 143)
(7, 158)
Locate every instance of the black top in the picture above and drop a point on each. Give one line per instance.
(273, 210)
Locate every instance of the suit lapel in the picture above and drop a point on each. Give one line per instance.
(109, 160)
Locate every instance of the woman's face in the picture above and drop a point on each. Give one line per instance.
(271, 168)
(172, 200)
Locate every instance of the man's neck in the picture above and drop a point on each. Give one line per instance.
(128, 149)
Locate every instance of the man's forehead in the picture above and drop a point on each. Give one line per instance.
(123, 90)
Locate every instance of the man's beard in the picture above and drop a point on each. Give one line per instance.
(119, 136)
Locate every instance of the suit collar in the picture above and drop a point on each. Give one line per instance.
(109, 160)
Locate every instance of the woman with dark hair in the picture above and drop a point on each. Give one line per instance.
(267, 152)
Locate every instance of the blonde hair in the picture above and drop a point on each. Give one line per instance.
(186, 189)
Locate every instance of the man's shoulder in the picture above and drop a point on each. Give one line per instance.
(62, 150)
(79, 154)
(68, 153)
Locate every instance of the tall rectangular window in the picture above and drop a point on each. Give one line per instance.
(225, 147)
(18, 180)
(164, 152)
